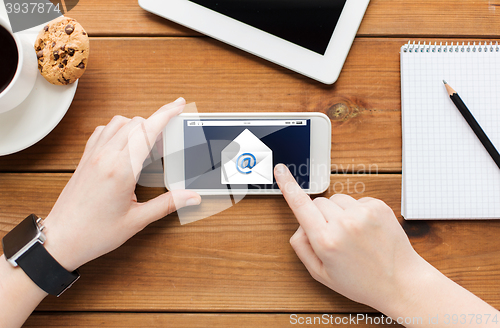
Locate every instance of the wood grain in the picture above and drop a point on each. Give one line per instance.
(364, 104)
(444, 18)
(135, 76)
(240, 259)
(161, 320)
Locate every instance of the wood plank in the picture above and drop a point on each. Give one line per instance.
(135, 76)
(467, 18)
(178, 320)
(364, 105)
(430, 18)
(234, 261)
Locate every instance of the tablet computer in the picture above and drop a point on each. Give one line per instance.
(311, 37)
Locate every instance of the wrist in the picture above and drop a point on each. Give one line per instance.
(409, 287)
(14, 277)
(425, 293)
(19, 295)
(58, 245)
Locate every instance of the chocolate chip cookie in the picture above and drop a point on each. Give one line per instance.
(62, 49)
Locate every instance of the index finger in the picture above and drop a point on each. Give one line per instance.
(142, 136)
(156, 122)
(309, 216)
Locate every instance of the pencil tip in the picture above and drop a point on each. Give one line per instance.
(448, 88)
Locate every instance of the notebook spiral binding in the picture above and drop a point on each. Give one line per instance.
(418, 47)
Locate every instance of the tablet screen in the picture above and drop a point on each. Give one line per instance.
(307, 23)
(241, 154)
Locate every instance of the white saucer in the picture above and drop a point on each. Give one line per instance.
(38, 115)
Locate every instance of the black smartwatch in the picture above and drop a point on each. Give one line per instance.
(23, 247)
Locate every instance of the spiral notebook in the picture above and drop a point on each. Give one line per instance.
(447, 173)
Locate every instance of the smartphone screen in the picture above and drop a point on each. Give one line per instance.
(242, 153)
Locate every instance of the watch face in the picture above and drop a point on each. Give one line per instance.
(21, 235)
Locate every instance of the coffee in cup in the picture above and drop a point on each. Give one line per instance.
(18, 71)
(8, 57)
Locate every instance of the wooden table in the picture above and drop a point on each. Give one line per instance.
(237, 269)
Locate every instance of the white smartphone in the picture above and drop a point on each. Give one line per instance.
(235, 153)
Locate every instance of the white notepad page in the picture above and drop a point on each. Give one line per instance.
(447, 172)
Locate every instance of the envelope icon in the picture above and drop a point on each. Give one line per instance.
(246, 160)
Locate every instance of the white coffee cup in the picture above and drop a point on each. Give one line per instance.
(27, 69)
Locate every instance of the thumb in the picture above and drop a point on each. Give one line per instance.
(167, 203)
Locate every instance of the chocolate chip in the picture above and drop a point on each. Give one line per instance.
(84, 33)
(65, 80)
(41, 60)
(63, 55)
(39, 54)
(69, 29)
(71, 51)
(81, 65)
(53, 44)
(61, 66)
(46, 28)
(65, 62)
(56, 55)
(63, 47)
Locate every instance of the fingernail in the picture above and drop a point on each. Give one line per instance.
(193, 201)
(180, 100)
(280, 169)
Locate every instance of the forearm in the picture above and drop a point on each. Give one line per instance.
(19, 295)
(427, 298)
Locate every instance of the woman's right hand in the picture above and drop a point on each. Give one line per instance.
(355, 247)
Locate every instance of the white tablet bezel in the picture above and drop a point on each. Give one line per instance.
(173, 143)
(324, 68)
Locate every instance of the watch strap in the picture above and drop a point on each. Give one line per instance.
(45, 271)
